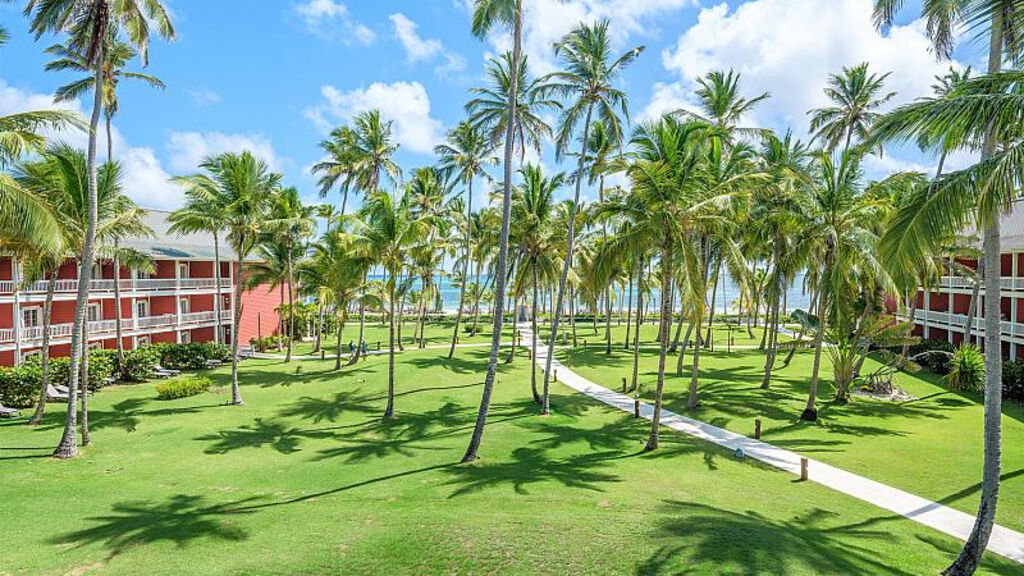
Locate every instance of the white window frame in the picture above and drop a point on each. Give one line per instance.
(37, 311)
(143, 340)
(184, 337)
(89, 312)
(141, 306)
(184, 305)
(183, 270)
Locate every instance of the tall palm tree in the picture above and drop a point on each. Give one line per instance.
(1002, 21)
(589, 79)
(464, 157)
(533, 234)
(243, 188)
(116, 55)
(360, 157)
(601, 149)
(488, 109)
(486, 15)
(386, 230)
(89, 24)
(291, 224)
(856, 96)
(203, 212)
(60, 177)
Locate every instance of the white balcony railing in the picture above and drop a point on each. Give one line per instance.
(106, 327)
(959, 321)
(127, 285)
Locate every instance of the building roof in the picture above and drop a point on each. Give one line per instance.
(167, 245)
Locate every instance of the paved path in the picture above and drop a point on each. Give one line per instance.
(1004, 541)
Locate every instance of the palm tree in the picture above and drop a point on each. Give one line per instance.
(1002, 20)
(202, 212)
(89, 25)
(386, 230)
(589, 79)
(856, 95)
(291, 224)
(60, 177)
(488, 110)
(533, 235)
(243, 187)
(359, 157)
(600, 150)
(487, 14)
(116, 55)
(464, 157)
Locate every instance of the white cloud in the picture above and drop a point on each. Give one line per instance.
(547, 21)
(788, 48)
(405, 103)
(188, 149)
(331, 20)
(147, 182)
(205, 97)
(419, 49)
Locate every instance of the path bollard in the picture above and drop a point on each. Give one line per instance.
(378, 345)
(803, 469)
(623, 384)
(570, 361)
(556, 374)
(321, 354)
(757, 429)
(636, 406)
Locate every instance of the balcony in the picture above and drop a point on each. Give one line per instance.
(108, 327)
(1007, 283)
(957, 322)
(126, 285)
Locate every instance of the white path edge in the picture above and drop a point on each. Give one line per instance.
(1005, 542)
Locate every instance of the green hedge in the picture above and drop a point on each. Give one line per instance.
(182, 387)
(192, 356)
(139, 364)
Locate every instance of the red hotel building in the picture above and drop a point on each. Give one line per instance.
(942, 312)
(173, 304)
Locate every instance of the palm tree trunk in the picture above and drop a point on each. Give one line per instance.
(236, 392)
(280, 317)
(499, 281)
(567, 265)
(911, 314)
(810, 413)
(967, 562)
(68, 446)
(337, 357)
(629, 312)
(44, 381)
(319, 327)
(682, 349)
(362, 330)
(465, 265)
(476, 299)
(389, 412)
(218, 334)
(533, 337)
(291, 308)
(85, 385)
(117, 303)
(636, 335)
(714, 296)
(679, 326)
(773, 327)
(664, 325)
(972, 311)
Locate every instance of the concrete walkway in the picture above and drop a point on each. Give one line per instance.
(1004, 541)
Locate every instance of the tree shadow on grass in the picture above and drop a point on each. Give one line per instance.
(752, 544)
(181, 519)
(361, 449)
(320, 409)
(531, 466)
(260, 433)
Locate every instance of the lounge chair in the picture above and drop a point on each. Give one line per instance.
(165, 372)
(8, 412)
(55, 395)
(213, 363)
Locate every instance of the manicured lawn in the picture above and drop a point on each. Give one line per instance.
(437, 334)
(931, 446)
(306, 479)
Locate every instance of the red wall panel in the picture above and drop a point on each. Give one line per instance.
(259, 316)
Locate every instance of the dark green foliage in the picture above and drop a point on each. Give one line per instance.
(139, 364)
(192, 356)
(182, 387)
(937, 363)
(19, 386)
(1013, 380)
(967, 369)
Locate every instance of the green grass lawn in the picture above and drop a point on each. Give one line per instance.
(437, 333)
(306, 479)
(931, 446)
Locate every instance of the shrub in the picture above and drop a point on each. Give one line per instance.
(182, 387)
(1013, 380)
(263, 344)
(19, 386)
(937, 363)
(139, 364)
(102, 365)
(967, 369)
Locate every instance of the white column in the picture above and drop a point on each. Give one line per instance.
(16, 277)
(1013, 306)
(926, 298)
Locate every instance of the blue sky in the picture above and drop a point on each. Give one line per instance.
(274, 75)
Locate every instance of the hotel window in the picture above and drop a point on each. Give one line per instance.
(182, 269)
(31, 317)
(30, 353)
(227, 303)
(185, 337)
(142, 308)
(94, 312)
(143, 340)
(142, 275)
(183, 305)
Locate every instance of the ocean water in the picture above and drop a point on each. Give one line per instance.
(725, 301)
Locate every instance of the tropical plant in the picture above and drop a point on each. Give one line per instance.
(966, 369)
(856, 96)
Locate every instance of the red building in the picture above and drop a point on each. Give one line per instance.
(942, 312)
(175, 303)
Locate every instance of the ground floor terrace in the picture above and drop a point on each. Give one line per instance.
(306, 478)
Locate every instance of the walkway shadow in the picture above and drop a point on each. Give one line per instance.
(532, 466)
(751, 544)
(181, 519)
